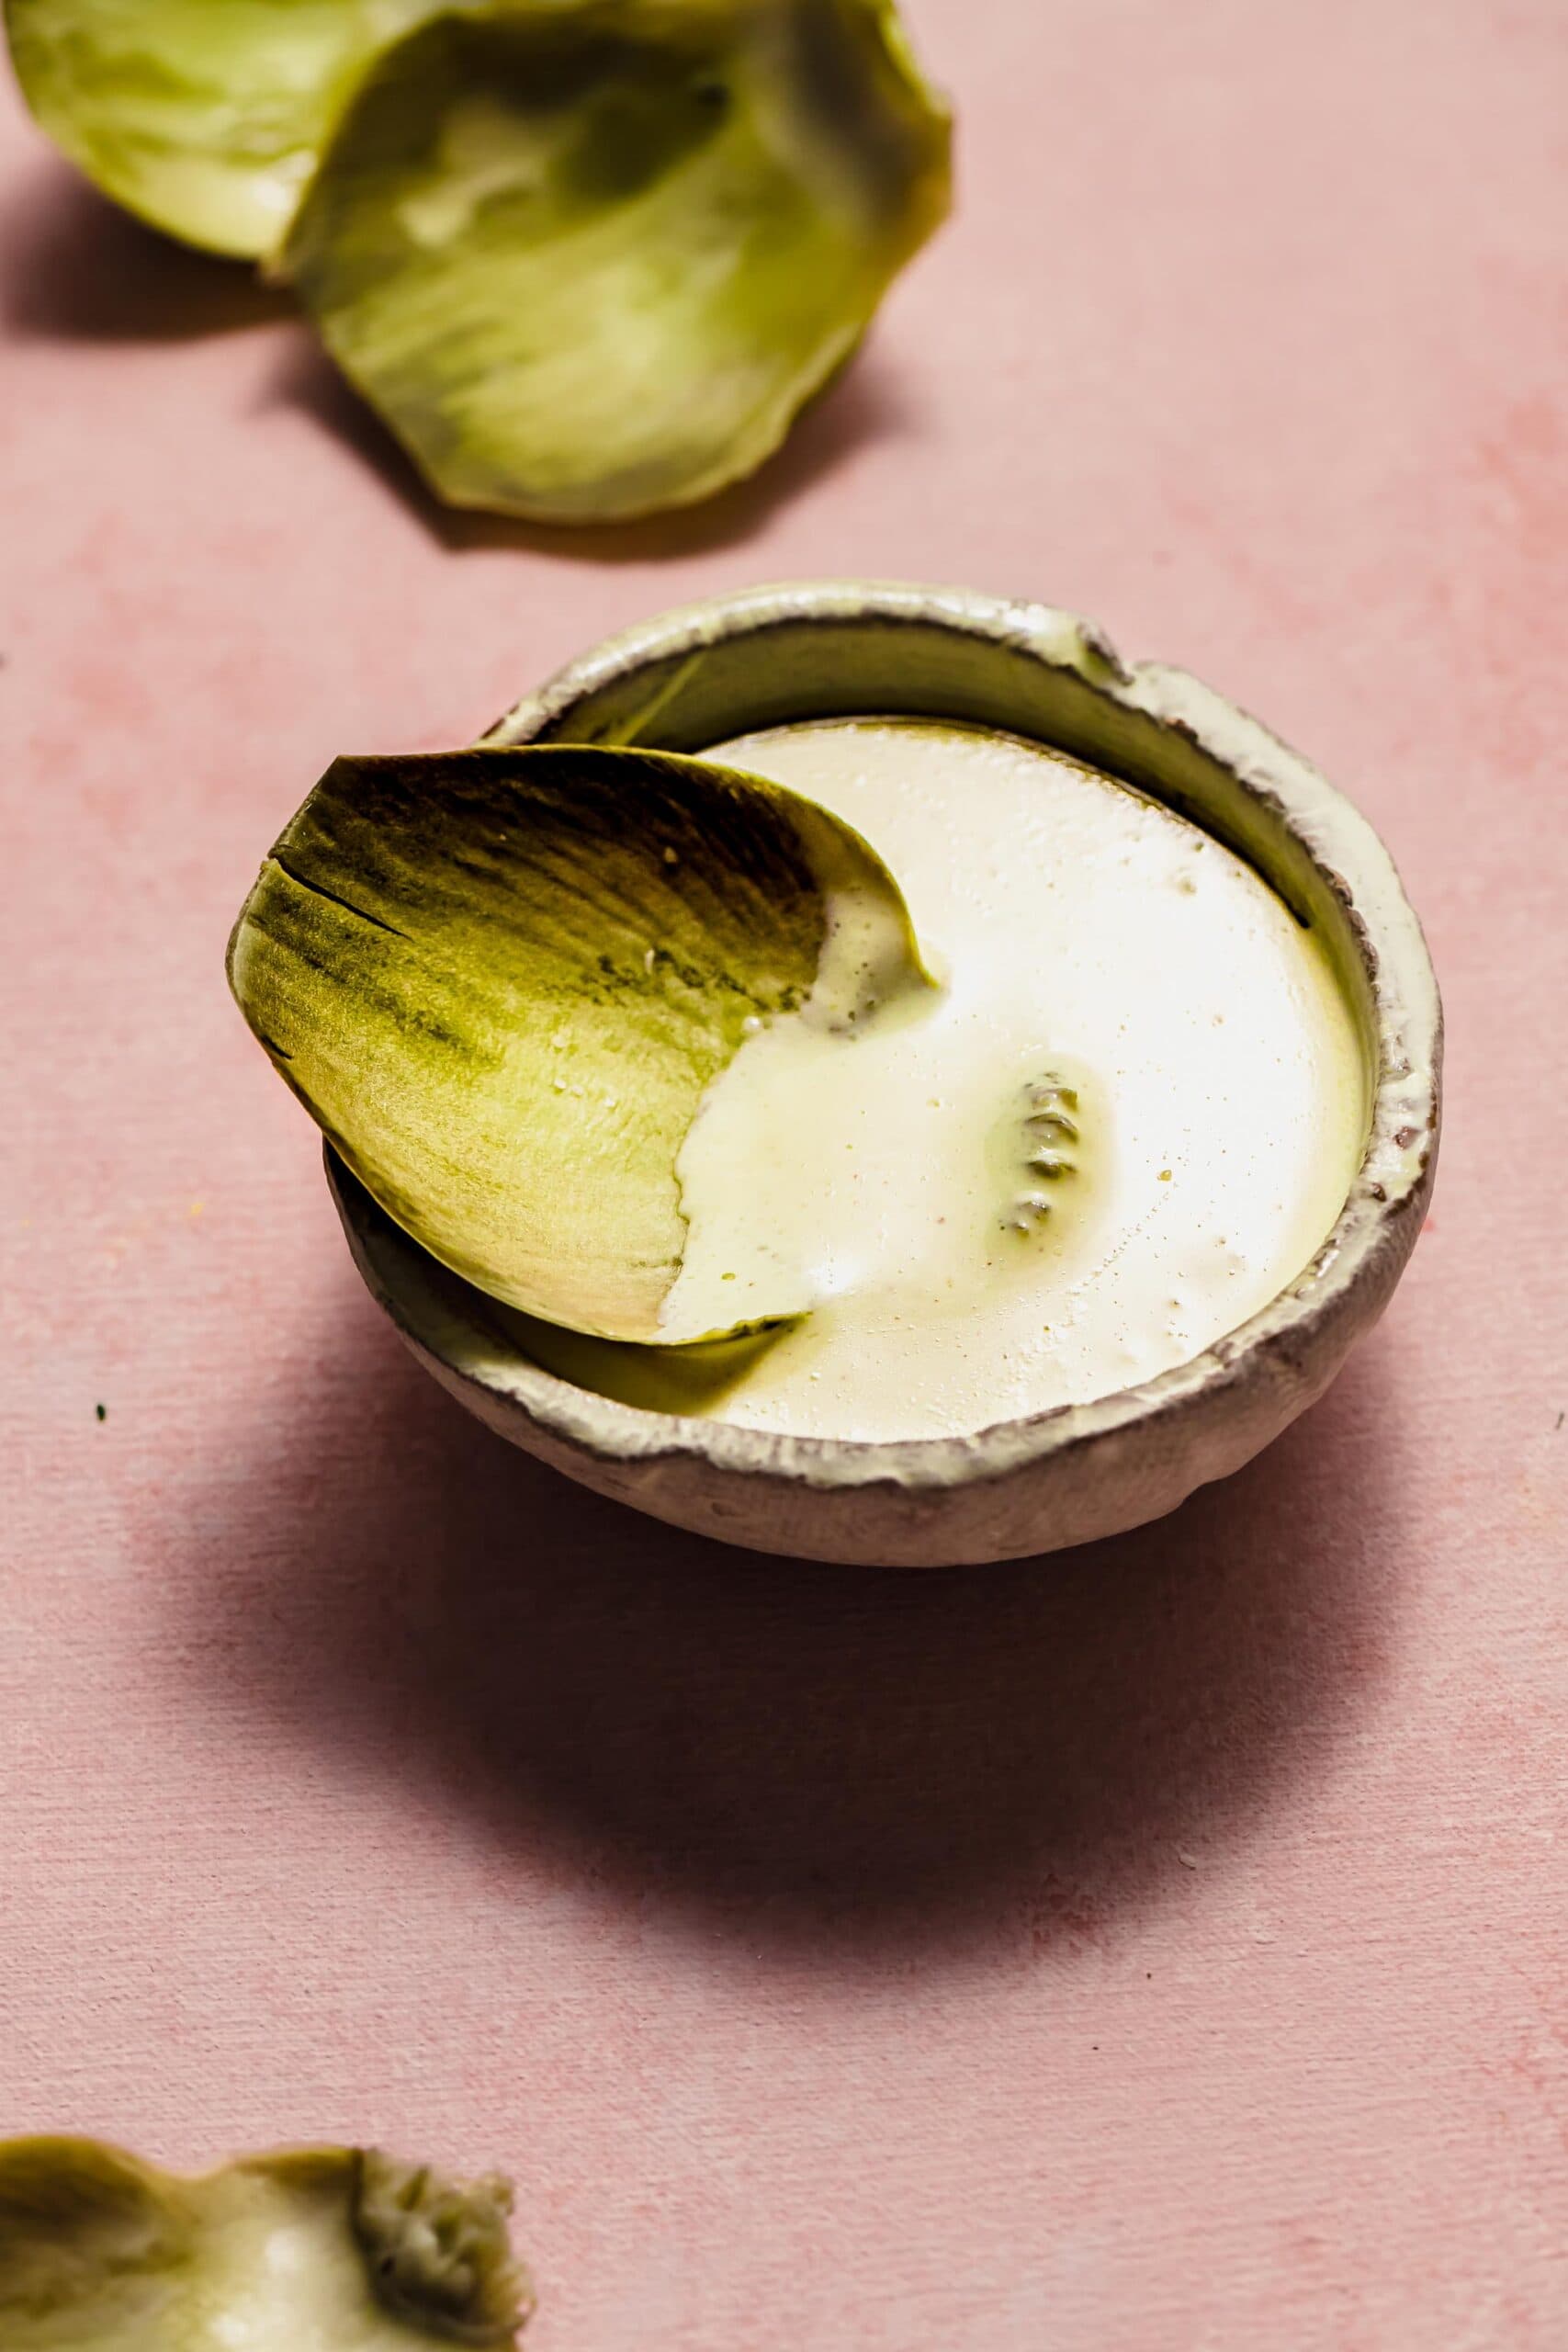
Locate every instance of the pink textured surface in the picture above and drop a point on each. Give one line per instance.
(1159, 1948)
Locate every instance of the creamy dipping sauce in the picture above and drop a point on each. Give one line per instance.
(1123, 1123)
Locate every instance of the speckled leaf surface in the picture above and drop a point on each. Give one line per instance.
(589, 262)
(501, 980)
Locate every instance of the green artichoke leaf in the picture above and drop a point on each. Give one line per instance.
(308, 2250)
(587, 262)
(203, 117)
(503, 981)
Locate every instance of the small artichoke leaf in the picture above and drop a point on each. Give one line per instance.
(339, 2247)
(205, 118)
(503, 981)
(589, 262)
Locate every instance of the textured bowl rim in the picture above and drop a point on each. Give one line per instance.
(1383, 1210)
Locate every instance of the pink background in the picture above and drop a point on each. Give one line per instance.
(1158, 1948)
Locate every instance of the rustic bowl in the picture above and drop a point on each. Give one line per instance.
(836, 648)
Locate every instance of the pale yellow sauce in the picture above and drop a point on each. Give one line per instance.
(1124, 1122)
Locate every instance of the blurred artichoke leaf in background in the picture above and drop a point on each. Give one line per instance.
(205, 118)
(589, 261)
(100, 2252)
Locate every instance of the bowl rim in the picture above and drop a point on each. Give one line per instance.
(1383, 1210)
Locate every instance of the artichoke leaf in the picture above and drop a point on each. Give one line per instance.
(205, 118)
(308, 2250)
(587, 262)
(503, 981)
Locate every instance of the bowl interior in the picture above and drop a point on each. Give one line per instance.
(774, 662)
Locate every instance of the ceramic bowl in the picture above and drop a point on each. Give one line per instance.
(836, 648)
